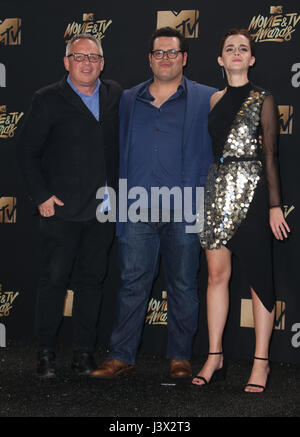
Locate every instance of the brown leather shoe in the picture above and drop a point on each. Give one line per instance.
(112, 369)
(180, 369)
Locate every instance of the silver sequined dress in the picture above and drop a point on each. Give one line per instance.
(243, 183)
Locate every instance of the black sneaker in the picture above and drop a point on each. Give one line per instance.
(46, 364)
(83, 363)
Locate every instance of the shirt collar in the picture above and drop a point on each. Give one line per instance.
(145, 94)
(82, 95)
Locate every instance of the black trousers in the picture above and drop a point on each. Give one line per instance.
(79, 249)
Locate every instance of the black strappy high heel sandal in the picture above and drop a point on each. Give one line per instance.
(257, 385)
(218, 375)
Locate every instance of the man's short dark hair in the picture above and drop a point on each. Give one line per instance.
(170, 32)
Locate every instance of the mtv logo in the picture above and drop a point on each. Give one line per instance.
(275, 10)
(287, 210)
(10, 31)
(68, 307)
(286, 114)
(88, 17)
(2, 76)
(247, 320)
(280, 316)
(187, 22)
(8, 209)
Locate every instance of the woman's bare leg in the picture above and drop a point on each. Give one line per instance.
(263, 322)
(219, 272)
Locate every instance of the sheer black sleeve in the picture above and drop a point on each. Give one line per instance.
(270, 124)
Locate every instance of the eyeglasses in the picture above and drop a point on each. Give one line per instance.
(171, 54)
(80, 57)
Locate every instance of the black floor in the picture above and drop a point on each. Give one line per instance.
(146, 394)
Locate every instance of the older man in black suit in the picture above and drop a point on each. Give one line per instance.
(68, 149)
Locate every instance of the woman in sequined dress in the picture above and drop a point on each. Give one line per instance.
(242, 206)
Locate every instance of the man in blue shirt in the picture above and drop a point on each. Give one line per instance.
(164, 142)
(67, 150)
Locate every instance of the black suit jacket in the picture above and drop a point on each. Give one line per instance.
(63, 150)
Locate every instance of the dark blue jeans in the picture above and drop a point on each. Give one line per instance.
(140, 248)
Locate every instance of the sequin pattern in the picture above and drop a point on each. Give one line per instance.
(231, 183)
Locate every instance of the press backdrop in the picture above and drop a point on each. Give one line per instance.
(32, 45)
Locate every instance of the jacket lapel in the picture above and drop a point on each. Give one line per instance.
(73, 98)
(126, 121)
(189, 111)
(102, 100)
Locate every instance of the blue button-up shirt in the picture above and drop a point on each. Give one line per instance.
(92, 102)
(155, 158)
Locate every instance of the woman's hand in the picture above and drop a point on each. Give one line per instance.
(279, 226)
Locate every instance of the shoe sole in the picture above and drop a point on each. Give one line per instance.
(85, 373)
(47, 376)
(116, 375)
(180, 376)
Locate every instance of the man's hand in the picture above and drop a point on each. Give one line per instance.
(47, 208)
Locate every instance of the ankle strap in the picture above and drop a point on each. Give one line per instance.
(215, 353)
(259, 358)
